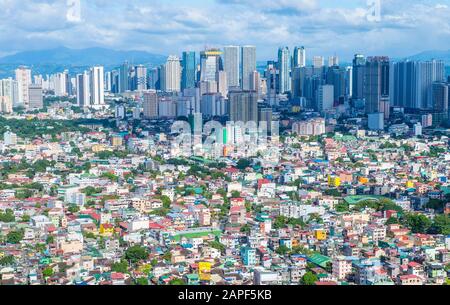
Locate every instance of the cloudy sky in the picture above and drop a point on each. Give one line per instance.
(324, 27)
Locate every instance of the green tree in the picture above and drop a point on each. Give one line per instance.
(242, 164)
(166, 201)
(73, 208)
(177, 282)
(121, 266)
(136, 253)
(282, 250)
(441, 225)
(7, 260)
(309, 278)
(142, 281)
(342, 207)
(418, 223)
(47, 272)
(14, 237)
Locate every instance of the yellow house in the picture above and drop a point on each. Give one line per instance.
(320, 234)
(409, 184)
(106, 229)
(334, 181)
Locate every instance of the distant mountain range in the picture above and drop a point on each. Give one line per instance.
(428, 55)
(77, 60)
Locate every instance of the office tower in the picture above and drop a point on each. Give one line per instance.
(83, 89)
(188, 74)
(325, 98)
(140, 78)
(376, 85)
(97, 86)
(115, 78)
(255, 82)
(412, 83)
(222, 83)
(248, 65)
(284, 65)
(348, 81)
(167, 107)
(359, 66)
(36, 100)
(271, 75)
(9, 88)
(440, 101)
(172, 74)
(333, 61)
(210, 63)
(376, 121)
(124, 83)
(299, 57)
(23, 78)
(150, 104)
(194, 95)
(232, 64)
(417, 129)
(108, 81)
(337, 77)
(318, 62)
(265, 115)
(213, 104)
(297, 77)
(243, 106)
(153, 79)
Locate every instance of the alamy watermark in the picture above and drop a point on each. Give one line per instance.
(236, 139)
(73, 13)
(374, 11)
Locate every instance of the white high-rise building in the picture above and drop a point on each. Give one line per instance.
(333, 61)
(97, 86)
(222, 83)
(248, 65)
(60, 83)
(318, 62)
(9, 88)
(299, 57)
(83, 89)
(284, 66)
(325, 97)
(23, 78)
(140, 77)
(232, 63)
(172, 74)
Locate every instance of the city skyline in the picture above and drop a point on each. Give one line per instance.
(324, 28)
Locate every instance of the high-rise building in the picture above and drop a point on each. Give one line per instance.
(188, 74)
(172, 74)
(222, 83)
(150, 104)
(97, 86)
(61, 85)
(411, 83)
(248, 65)
(325, 98)
(108, 81)
(124, 82)
(333, 61)
(210, 63)
(299, 57)
(83, 89)
(232, 64)
(9, 88)
(376, 85)
(376, 121)
(36, 99)
(284, 66)
(359, 66)
(440, 100)
(153, 79)
(140, 78)
(336, 76)
(23, 78)
(318, 62)
(243, 106)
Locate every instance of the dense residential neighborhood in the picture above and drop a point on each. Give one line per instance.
(103, 202)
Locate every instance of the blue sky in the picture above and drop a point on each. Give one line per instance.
(324, 27)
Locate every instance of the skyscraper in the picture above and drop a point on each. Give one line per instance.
(232, 64)
(124, 77)
(248, 65)
(36, 100)
(97, 85)
(412, 83)
(150, 104)
(284, 65)
(376, 85)
(210, 63)
(188, 73)
(172, 74)
(140, 78)
(9, 88)
(299, 57)
(318, 62)
(222, 83)
(83, 89)
(440, 102)
(359, 65)
(243, 106)
(23, 78)
(333, 61)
